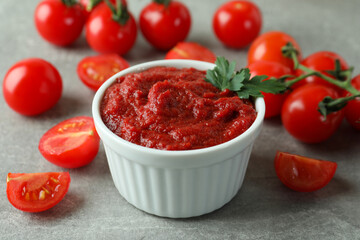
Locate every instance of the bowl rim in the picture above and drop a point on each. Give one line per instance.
(178, 63)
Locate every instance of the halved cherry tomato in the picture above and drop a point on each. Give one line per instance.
(352, 109)
(237, 23)
(59, 23)
(72, 143)
(301, 118)
(163, 26)
(268, 47)
(37, 192)
(191, 50)
(303, 174)
(273, 102)
(32, 86)
(320, 61)
(105, 35)
(95, 70)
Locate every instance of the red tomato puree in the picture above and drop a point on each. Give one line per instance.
(174, 109)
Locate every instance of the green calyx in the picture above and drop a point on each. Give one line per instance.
(340, 78)
(119, 10)
(163, 2)
(92, 4)
(69, 3)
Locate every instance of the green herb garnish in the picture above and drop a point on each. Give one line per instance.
(224, 76)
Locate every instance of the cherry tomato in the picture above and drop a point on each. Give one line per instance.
(237, 23)
(320, 61)
(37, 192)
(165, 26)
(58, 23)
(303, 174)
(352, 109)
(301, 118)
(95, 70)
(70, 144)
(32, 86)
(88, 6)
(268, 47)
(191, 50)
(106, 35)
(273, 102)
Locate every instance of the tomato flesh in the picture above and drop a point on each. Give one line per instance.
(303, 174)
(268, 47)
(72, 143)
(273, 102)
(237, 23)
(37, 192)
(93, 71)
(191, 50)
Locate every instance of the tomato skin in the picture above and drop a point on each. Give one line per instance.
(237, 23)
(191, 50)
(268, 47)
(105, 35)
(157, 21)
(93, 71)
(352, 109)
(32, 86)
(273, 102)
(37, 192)
(303, 174)
(301, 118)
(320, 61)
(57, 23)
(72, 143)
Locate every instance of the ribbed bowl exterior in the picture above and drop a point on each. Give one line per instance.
(176, 184)
(178, 193)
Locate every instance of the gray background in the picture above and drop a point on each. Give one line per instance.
(263, 208)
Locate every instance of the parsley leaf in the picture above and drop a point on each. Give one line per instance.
(223, 76)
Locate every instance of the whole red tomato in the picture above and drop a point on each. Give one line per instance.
(32, 86)
(191, 50)
(352, 109)
(58, 23)
(320, 61)
(303, 174)
(163, 25)
(268, 47)
(237, 23)
(273, 102)
(301, 118)
(105, 35)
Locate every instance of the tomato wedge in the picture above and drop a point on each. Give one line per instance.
(93, 71)
(36, 192)
(303, 174)
(191, 50)
(72, 143)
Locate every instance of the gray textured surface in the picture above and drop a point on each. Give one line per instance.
(263, 208)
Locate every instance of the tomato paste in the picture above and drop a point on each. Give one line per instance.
(174, 109)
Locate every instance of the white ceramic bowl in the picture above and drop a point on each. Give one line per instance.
(176, 184)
